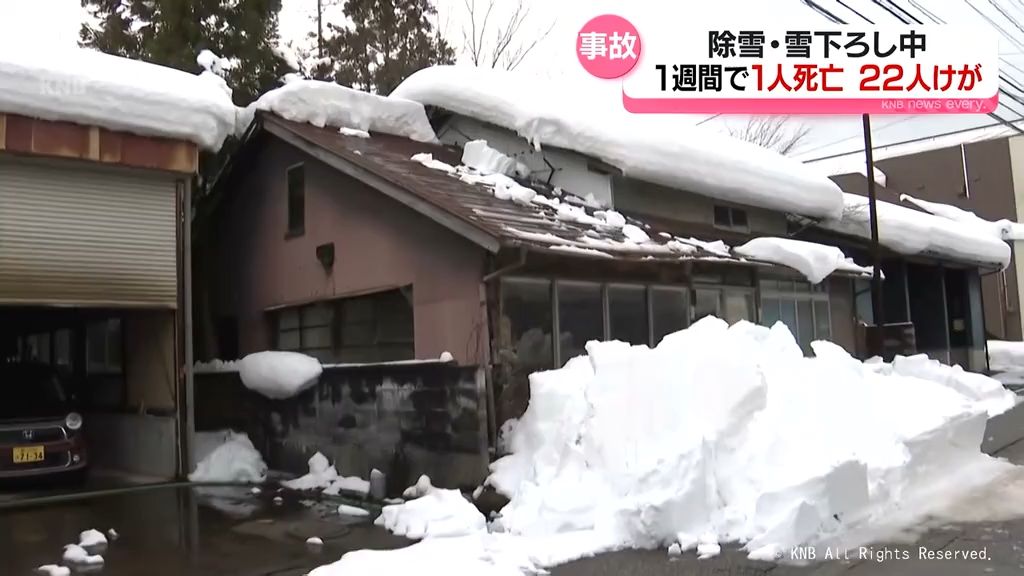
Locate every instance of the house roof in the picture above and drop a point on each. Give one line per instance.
(463, 201)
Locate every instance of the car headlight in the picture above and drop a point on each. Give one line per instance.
(73, 421)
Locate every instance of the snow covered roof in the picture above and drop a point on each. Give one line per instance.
(498, 209)
(661, 149)
(912, 232)
(91, 88)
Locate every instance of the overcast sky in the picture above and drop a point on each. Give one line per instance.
(49, 23)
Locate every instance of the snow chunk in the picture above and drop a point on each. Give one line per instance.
(635, 234)
(227, 456)
(329, 104)
(75, 555)
(279, 375)
(428, 160)
(814, 261)
(347, 510)
(653, 149)
(446, 356)
(1005, 356)
(581, 251)
(92, 88)
(213, 63)
(321, 475)
(91, 539)
(1003, 229)
(353, 132)
(911, 232)
(215, 366)
(353, 484)
(422, 487)
(314, 541)
(438, 513)
(53, 570)
(675, 550)
(478, 155)
(112, 535)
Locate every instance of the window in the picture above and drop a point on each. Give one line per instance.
(103, 346)
(580, 317)
(731, 304)
(728, 217)
(372, 328)
(526, 323)
(670, 311)
(803, 308)
(297, 200)
(627, 314)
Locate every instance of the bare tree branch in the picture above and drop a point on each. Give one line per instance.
(499, 45)
(774, 132)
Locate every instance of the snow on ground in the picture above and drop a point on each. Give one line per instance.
(437, 513)
(651, 148)
(91, 88)
(279, 375)
(329, 104)
(1003, 229)
(346, 510)
(91, 539)
(227, 456)
(75, 555)
(814, 261)
(321, 474)
(718, 435)
(908, 231)
(53, 570)
(353, 484)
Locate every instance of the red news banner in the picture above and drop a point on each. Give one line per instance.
(739, 69)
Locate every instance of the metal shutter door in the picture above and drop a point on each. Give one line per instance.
(75, 235)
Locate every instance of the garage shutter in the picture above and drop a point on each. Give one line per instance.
(75, 235)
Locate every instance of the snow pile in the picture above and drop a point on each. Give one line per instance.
(1005, 356)
(650, 148)
(92, 539)
(910, 232)
(435, 513)
(279, 375)
(76, 555)
(329, 104)
(353, 484)
(422, 487)
(719, 434)
(53, 570)
(321, 474)
(814, 261)
(353, 132)
(479, 156)
(228, 457)
(92, 88)
(1003, 229)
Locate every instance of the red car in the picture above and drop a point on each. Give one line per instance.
(41, 435)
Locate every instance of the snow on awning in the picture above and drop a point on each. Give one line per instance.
(910, 232)
(95, 89)
(814, 261)
(656, 149)
(1003, 229)
(329, 104)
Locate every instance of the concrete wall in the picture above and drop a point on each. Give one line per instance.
(403, 419)
(149, 360)
(573, 172)
(133, 443)
(841, 308)
(379, 244)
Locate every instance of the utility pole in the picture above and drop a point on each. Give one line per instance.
(876, 252)
(319, 28)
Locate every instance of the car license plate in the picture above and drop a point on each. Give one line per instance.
(28, 454)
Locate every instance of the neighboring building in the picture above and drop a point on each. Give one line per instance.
(90, 270)
(980, 170)
(347, 249)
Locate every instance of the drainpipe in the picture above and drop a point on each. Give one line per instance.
(190, 409)
(519, 263)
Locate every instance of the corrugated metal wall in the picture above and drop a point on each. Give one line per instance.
(74, 235)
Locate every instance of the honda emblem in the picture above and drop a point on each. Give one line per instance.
(27, 434)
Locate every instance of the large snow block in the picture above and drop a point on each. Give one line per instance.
(1004, 430)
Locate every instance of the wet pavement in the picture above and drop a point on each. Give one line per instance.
(227, 531)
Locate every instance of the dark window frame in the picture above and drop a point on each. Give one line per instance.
(296, 200)
(731, 218)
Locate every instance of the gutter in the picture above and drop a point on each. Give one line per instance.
(519, 263)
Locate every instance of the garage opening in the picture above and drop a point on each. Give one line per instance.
(113, 368)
